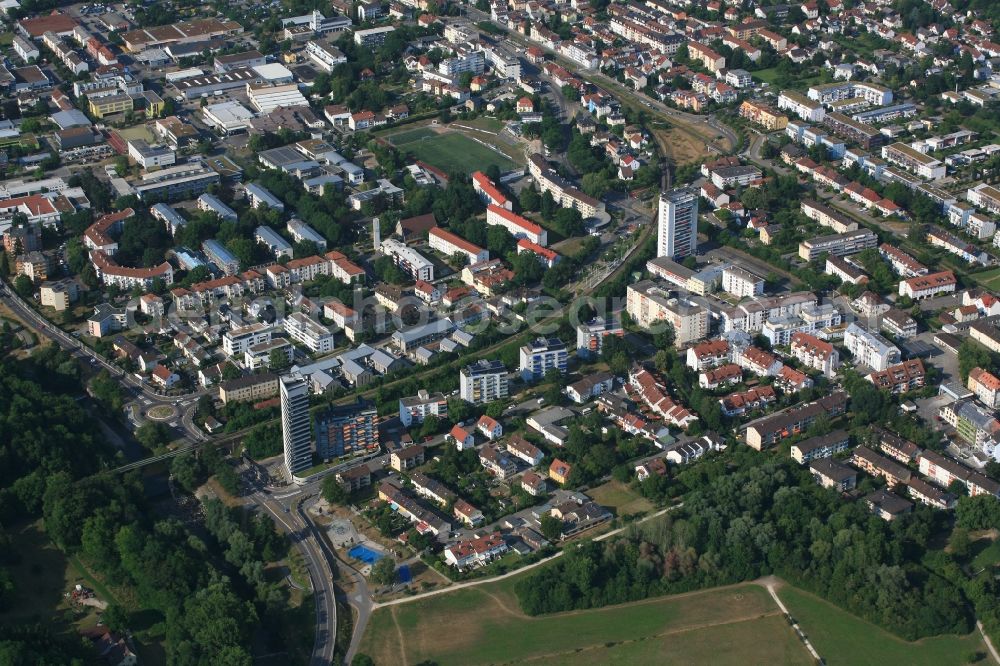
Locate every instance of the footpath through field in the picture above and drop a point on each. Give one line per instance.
(493, 579)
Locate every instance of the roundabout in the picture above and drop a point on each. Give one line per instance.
(161, 413)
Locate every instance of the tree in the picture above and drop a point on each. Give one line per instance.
(430, 426)
(24, 287)
(278, 360)
(187, 471)
(529, 198)
(551, 528)
(960, 542)
(115, 618)
(971, 355)
(333, 491)
(361, 659)
(384, 571)
(107, 392)
(152, 435)
(459, 410)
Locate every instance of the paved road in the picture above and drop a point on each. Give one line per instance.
(304, 538)
(769, 583)
(129, 382)
(989, 643)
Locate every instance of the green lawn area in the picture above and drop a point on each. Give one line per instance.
(722, 644)
(450, 151)
(479, 625)
(989, 279)
(620, 497)
(408, 136)
(6, 39)
(987, 554)
(41, 575)
(484, 123)
(768, 75)
(842, 638)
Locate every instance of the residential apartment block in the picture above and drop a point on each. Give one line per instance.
(483, 381)
(870, 349)
(840, 245)
(772, 429)
(815, 353)
(542, 356)
(649, 304)
(822, 446)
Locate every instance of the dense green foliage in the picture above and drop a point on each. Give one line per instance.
(43, 429)
(758, 517)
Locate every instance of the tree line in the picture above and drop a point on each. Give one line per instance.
(753, 516)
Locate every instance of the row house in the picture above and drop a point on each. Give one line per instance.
(928, 286)
(903, 264)
(957, 246)
(655, 395)
(721, 376)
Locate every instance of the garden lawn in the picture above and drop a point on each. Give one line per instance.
(842, 638)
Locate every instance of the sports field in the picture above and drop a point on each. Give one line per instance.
(842, 638)
(483, 624)
(451, 151)
(989, 279)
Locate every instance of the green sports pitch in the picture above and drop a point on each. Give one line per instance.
(450, 151)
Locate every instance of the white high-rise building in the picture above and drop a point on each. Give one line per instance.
(677, 230)
(295, 428)
(483, 381)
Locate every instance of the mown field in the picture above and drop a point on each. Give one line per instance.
(484, 625)
(842, 638)
(450, 151)
(989, 279)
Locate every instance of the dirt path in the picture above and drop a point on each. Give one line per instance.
(506, 609)
(402, 640)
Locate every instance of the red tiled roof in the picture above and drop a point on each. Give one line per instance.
(455, 240)
(487, 186)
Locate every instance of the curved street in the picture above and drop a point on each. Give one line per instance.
(130, 383)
